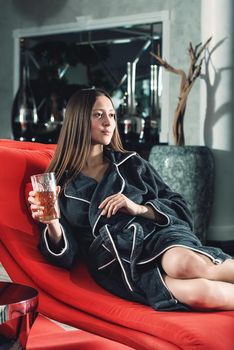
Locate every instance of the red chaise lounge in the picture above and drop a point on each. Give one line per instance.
(72, 297)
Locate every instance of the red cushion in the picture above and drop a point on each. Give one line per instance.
(17, 165)
(28, 145)
(47, 335)
(72, 296)
(81, 294)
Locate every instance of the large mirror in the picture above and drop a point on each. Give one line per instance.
(116, 58)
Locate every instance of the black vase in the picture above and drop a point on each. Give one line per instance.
(24, 111)
(51, 112)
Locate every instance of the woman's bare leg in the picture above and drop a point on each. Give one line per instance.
(202, 294)
(183, 263)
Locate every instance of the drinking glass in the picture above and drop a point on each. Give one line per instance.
(45, 187)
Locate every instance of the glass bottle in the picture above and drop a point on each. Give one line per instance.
(131, 123)
(154, 104)
(24, 114)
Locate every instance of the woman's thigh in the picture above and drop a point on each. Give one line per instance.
(202, 294)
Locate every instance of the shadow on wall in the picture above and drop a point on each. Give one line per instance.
(213, 114)
(41, 10)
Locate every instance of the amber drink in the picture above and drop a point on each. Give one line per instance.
(45, 187)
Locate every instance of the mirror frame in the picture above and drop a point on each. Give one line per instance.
(88, 23)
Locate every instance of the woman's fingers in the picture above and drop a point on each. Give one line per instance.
(31, 197)
(106, 200)
(112, 204)
(34, 205)
(105, 205)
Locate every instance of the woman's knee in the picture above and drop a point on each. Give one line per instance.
(183, 263)
(177, 263)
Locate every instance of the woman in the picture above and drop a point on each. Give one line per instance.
(135, 233)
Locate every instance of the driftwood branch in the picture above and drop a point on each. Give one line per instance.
(186, 85)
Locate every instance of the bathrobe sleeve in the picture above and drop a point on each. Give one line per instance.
(64, 254)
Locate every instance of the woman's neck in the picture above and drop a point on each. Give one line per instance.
(96, 156)
(96, 164)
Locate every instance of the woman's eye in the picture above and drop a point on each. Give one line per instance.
(98, 115)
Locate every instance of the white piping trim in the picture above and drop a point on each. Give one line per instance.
(214, 260)
(134, 239)
(129, 222)
(94, 226)
(119, 260)
(88, 202)
(122, 161)
(173, 246)
(159, 211)
(121, 190)
(77, 198)
(107, 264)
(73, 197)
(164, 283)
(123, 181)
(150, 233)
(47, 245)
(103, 245)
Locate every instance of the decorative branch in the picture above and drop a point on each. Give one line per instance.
(186, 85)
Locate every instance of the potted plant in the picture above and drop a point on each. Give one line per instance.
(188, 170)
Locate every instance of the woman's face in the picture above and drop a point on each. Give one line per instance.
(103, 121)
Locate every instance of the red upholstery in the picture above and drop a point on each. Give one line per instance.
(47, 335)
(72, 296)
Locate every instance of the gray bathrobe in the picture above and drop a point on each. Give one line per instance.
(124, 252)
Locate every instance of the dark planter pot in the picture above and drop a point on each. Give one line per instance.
(188, 170)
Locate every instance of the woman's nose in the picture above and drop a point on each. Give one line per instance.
(107, 120)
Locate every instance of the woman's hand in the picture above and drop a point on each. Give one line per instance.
(119, 202)
(54, 229)
(36, 207)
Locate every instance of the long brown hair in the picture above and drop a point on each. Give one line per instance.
(74, 141)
